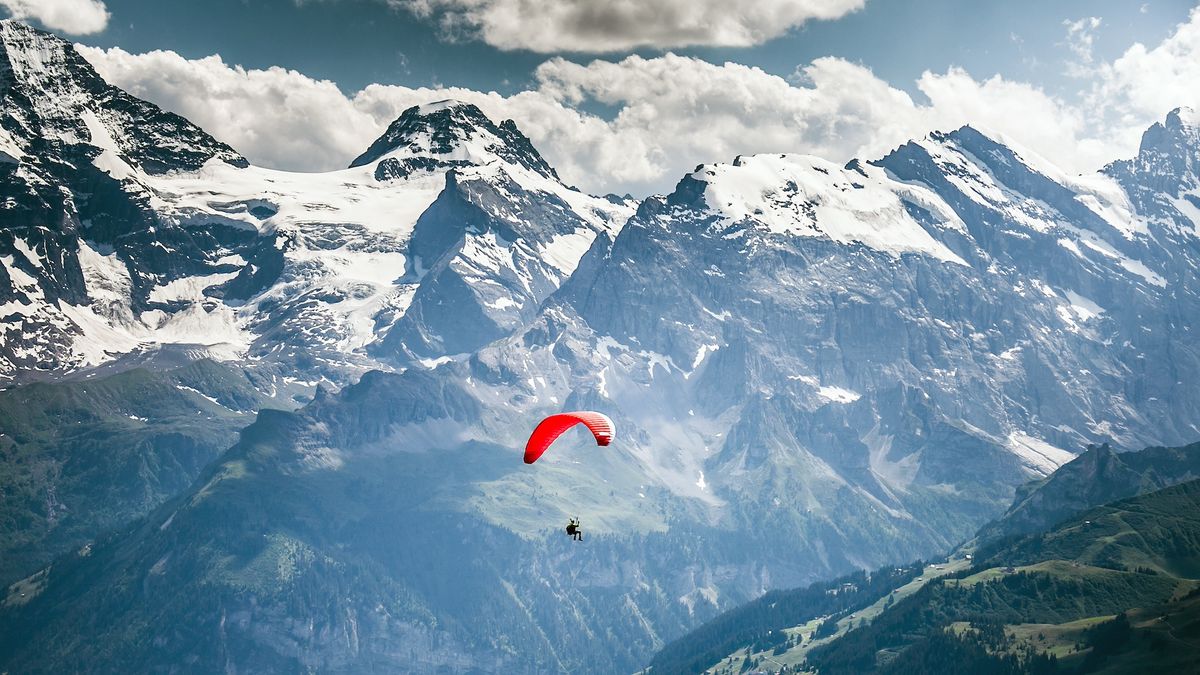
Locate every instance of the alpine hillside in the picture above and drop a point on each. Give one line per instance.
(1084, 588)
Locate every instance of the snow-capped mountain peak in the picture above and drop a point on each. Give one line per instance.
(48, 92)
(1179, 134)
(1185, 117)
(800, 195)
(449, 134)
(1163, 180)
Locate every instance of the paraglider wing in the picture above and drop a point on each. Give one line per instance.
(553, 426)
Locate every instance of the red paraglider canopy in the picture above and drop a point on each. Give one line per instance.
(553, 426)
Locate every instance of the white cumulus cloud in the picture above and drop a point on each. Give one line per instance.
(277, 117)
(1024, 113)
(1144, 82)
(674, 112)
(77, 17)
(617, 25)
(1081, 38)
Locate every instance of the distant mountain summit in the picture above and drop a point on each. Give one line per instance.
(1163, 180)
(449, 134)
(802, 196)
(1168, 159)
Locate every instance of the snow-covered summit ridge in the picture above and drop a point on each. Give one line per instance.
(801, 195)
(349, 254)
(436, 106)
(920, 198)
(449, 134)
(974, 170)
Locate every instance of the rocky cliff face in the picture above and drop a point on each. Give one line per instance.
(68, 139)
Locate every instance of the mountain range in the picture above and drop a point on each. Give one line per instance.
(130, 230)
(813, 368)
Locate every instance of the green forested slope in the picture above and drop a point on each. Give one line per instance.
(79, 457)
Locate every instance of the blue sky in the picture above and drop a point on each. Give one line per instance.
(358, 42)
(662, 86)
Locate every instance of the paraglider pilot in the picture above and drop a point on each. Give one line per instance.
(573, 529)
(549, 429)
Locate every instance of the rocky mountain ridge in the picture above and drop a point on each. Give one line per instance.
(168, 238)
